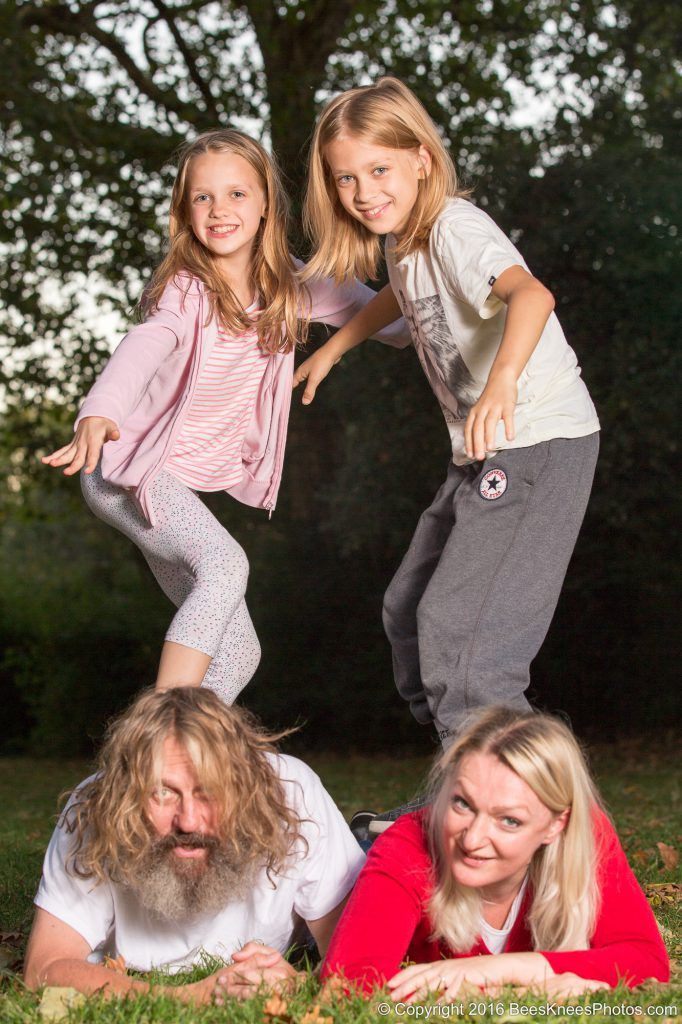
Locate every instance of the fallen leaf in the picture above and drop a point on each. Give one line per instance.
(118, 965)
(663, 893)
(315, 1016)
(640, 857)
(56, 1002)
(11, 938)
(669, 856)
(275, 1007)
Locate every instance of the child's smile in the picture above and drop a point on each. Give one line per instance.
(376, 185)
(226, 203)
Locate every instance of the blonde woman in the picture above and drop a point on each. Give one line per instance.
(513, 876)
(197, 399)
(473, 598)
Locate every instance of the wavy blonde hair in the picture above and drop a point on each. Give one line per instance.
(543, 752)
(280, 322)
(385, 114)
(228, 749)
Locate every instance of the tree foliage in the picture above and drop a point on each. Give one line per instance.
(565, 116)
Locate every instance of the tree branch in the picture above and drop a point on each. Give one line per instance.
(189, 58)
(62, 20)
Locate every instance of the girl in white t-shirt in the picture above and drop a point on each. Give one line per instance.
(473, 598)
(196, 399)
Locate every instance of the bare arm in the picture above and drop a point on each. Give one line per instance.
(529, 305)
(57, 955)
(378, 313)
(323, 928)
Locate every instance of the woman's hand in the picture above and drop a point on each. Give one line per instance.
(255, 966)
(496, 403)
(315, 369)
(92, 434)
(448, 977)
(563, 986)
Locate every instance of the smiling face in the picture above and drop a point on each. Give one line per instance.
(493, 825)
(376, 185)
(226, 202)
(181, 813)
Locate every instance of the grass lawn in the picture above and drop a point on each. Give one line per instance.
(640, 784)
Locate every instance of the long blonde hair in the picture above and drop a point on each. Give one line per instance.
(228, 749)
(386, 114)
(280, 322)
(543, 752)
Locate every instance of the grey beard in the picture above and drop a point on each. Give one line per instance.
(178, 889)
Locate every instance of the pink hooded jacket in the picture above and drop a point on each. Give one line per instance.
(147, 386)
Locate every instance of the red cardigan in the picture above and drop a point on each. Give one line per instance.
(386, 921)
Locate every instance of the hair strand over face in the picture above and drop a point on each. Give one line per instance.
(230, 754)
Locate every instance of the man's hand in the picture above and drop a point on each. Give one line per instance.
(92, 434)
(314, 369)
(496, 403)
(255, 966)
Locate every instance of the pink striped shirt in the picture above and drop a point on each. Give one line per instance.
(207, 454)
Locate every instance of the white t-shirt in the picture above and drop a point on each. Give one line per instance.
(495, 939)
(457, 324)
(110, 919)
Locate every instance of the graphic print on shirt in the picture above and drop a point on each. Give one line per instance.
(437, 349)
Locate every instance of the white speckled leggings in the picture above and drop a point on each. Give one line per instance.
(198, 565)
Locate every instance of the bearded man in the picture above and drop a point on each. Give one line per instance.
(194, 837)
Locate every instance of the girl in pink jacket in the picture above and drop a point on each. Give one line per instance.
(196, 398)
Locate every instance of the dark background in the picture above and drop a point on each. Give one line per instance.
(583, 173)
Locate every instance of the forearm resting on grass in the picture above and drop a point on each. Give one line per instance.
(529, 305)
(378, 313)
(57, 956)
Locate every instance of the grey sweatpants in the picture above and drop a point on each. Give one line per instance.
(474, 596)
(198, 565)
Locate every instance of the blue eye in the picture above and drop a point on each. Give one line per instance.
(459, 803)
(239, 195)
(380, 171)
(511, 822)
(201, 197)
(344, 179)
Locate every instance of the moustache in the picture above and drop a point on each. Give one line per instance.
(186, 840)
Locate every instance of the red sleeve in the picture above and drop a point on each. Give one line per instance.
(373, 936)
(626, 944)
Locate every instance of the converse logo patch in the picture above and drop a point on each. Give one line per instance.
(493, 484)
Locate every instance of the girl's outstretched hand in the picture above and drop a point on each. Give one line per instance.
(84, 451)
(313, 370)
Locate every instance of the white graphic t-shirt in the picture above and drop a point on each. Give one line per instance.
(457, 324)
(111, 919)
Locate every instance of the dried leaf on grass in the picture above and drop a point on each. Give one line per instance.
(315, 1016)
(118, 965)
(662, 894)
(275, 1008)
(56, 1002)
(669, 856)
(11, 938)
